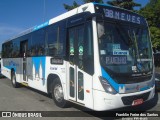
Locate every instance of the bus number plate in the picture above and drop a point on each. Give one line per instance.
(137, 102)
(58, 61)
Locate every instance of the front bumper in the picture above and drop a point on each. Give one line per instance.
(104, 101)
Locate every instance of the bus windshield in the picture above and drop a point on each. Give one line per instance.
(124, 49)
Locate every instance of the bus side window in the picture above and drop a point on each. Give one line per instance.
(38, 43)
(55, 43)
(51, 42)
(8, 48)
(4, 50)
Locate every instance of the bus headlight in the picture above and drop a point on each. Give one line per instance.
(107, 87)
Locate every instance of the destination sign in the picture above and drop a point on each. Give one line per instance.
(119, 14)
(116, 60)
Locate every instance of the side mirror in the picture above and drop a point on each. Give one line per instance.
(101, 29)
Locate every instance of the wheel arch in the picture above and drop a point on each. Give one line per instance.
(50, 79)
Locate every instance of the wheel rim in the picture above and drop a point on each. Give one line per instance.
(58, 93)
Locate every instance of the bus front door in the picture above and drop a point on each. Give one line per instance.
(24, 45)
(76, 76)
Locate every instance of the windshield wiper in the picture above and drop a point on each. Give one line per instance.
(139, 65)
(136, 45)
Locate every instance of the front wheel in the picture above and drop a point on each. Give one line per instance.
(58, 95)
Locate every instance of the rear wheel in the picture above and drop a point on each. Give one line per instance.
(15, 84)
(57, 94)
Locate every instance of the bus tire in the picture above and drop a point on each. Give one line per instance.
(15, 84)
(57, 94)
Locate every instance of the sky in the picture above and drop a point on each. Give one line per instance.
(19, 15)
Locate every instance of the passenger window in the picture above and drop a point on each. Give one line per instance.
(52, 40)
(56, 40)
(38, 43)
(16, 49)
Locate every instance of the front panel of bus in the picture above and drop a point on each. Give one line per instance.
(125, 59)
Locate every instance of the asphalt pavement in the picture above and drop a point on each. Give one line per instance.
(28, 99)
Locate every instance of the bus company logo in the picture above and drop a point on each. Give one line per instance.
(121, 89)
(6, 114)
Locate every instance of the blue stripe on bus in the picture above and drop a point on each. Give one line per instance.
(10, 67)
(41, 26)
(144, 88)
(102, 4)
(115, 85)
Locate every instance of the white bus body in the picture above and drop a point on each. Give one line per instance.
(81, 64)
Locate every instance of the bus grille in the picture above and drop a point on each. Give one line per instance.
(128, 100)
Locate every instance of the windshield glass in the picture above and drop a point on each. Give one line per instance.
(124, 48)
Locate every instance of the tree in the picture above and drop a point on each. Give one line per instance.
(155, 37)
(126, 4)
(75, 4)
(152, 12)
(152, 2)
(70, 7)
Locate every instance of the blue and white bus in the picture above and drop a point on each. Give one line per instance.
(96, 55)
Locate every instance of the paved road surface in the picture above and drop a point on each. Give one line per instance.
(27, 99)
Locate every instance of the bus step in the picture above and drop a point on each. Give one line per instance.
(25, 84)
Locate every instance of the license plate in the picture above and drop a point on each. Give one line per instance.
(137, 102)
